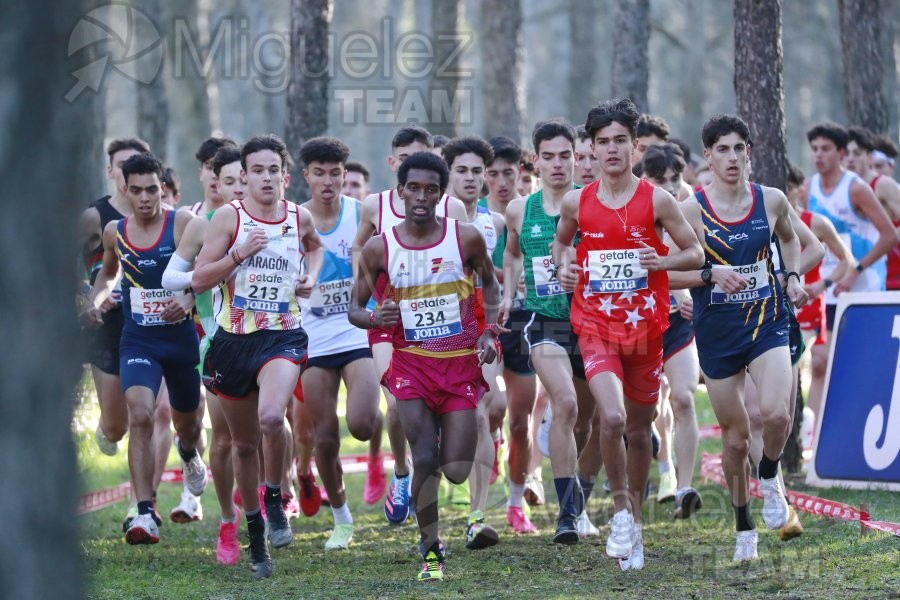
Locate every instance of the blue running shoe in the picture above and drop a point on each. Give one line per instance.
(396, 505)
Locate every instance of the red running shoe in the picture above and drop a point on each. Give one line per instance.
(228, 550)
(376, 482)
(310, 499)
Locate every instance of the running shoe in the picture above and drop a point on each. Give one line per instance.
(260, 560)
(228, 550)
(775, 508)
(290, 505)
(479, 535)
(607, 487)
(687, 502)
(106, 447)
(280, 533)
(584, 526)
(310, 498)
(130, 516)
(433, 567)
(566, 530)
(793, 528)
(635, 562)
(376, 482)
(396, 505)
(668, 486)
(194, 474)
(143, 530)
(341, 537)
(619, 543)
(516, 519)
(745, 547)
(534, 490)
(459, 494)
(189, 509)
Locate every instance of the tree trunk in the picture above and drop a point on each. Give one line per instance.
(56, 141)
(307, 101)
(864, 86)
(630, 62)
(759, 87)
(445, 74)
(502, 58)
(584, 63)
(152, 103)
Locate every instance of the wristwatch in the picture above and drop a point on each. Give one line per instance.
(706, 276)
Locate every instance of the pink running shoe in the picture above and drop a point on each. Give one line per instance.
(228, 550)
(518, 521)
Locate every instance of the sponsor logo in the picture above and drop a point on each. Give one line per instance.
(139, 361)
(146, 262)
(592, 234)
(536, 230)
(738, 237)
(285, 228)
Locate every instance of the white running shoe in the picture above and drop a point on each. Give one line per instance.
(189, 509)
(143, 530)
(194, 474)
(534, 490)
(619, 542)
(775, 508)
(668, 486)
(543, 436)
(584, 526)
(745, 547)
(106, 447)
(635, 562)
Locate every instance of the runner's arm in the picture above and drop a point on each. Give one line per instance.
(789, 243)
(866, 204)
(109, 271)
(368, 219)
(668, 212)
(679, 280)
(372, 259)
(513, 260)
(214, 265)
(811, 249)
(825, 231)
(314, 256)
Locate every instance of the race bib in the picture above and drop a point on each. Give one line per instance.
(545, 282)
(331, 297)
(147, 305)
(262, 290)
(612, 271)
(430, 318)
(757, 276)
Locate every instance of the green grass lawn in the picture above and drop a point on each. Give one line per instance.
(684, 559)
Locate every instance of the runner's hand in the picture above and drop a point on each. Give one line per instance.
(795, 292)
(90, 318)
(728, 280)
(256, 241)
(177, 309)
(503, 311)
(388, 314)
(304, 286)
(568, 276)
(686, 309)
(649, 258)
(846, 282)
(108, 304)
(487, 350)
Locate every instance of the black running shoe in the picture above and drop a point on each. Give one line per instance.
(260, 561)
(566, 531)
(687, 502)
(280, 533)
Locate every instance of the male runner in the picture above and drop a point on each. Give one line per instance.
(158, 337)
(740, 321)
(531, 225)
(651, 129)
(861, 222)
(173, 188)
(337, 350)
(428, 263)
(466, 158)
(356, 181)
(253, 250)
(528, 181)
(212, 197)
(380, 212)
(619, 308)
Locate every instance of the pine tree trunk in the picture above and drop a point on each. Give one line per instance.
(47, 142)
(307, 101)
(630, 58)
(864, 86)
(152, 103)
(759, 87)
(502, 58)
(444, 77)
(584, 63)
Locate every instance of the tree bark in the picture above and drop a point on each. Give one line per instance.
(630, 57)
(307, 101)
(152, 102)
(759, 86)
(584, 63)
(46, 136)
(444, 77)
(864, 86)
(502, 57)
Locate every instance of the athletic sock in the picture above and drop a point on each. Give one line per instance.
(273, 494)
(565, 491)
(768, 468)
(342, 515)
(742, 518)
(145, 507)
(664, 466)
(587, 487)
(186, 455)
(496, 435)
(231, 520)
(516, 492)
(255, 521)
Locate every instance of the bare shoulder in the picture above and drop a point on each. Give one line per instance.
(369, 209)
(514, 211)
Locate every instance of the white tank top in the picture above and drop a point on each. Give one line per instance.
(325, 312)
(260, 294)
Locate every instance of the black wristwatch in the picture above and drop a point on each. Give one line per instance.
(706, 276)
(860, 268)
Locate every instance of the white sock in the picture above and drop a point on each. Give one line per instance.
(495, 435)
(231, 520)
(342, 515)
(664, 466)
(516, 491)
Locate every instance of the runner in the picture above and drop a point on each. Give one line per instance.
(622, 255)
(884, 158)
(158, 338)
(528, 181)
(252, 251)
(337, 350)
(356, 181)
(380, 212)
(428, 263)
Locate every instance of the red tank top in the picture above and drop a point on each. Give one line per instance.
(615, 298)
(813, 312)
(893, 257)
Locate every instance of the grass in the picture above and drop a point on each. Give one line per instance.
(684, 559)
